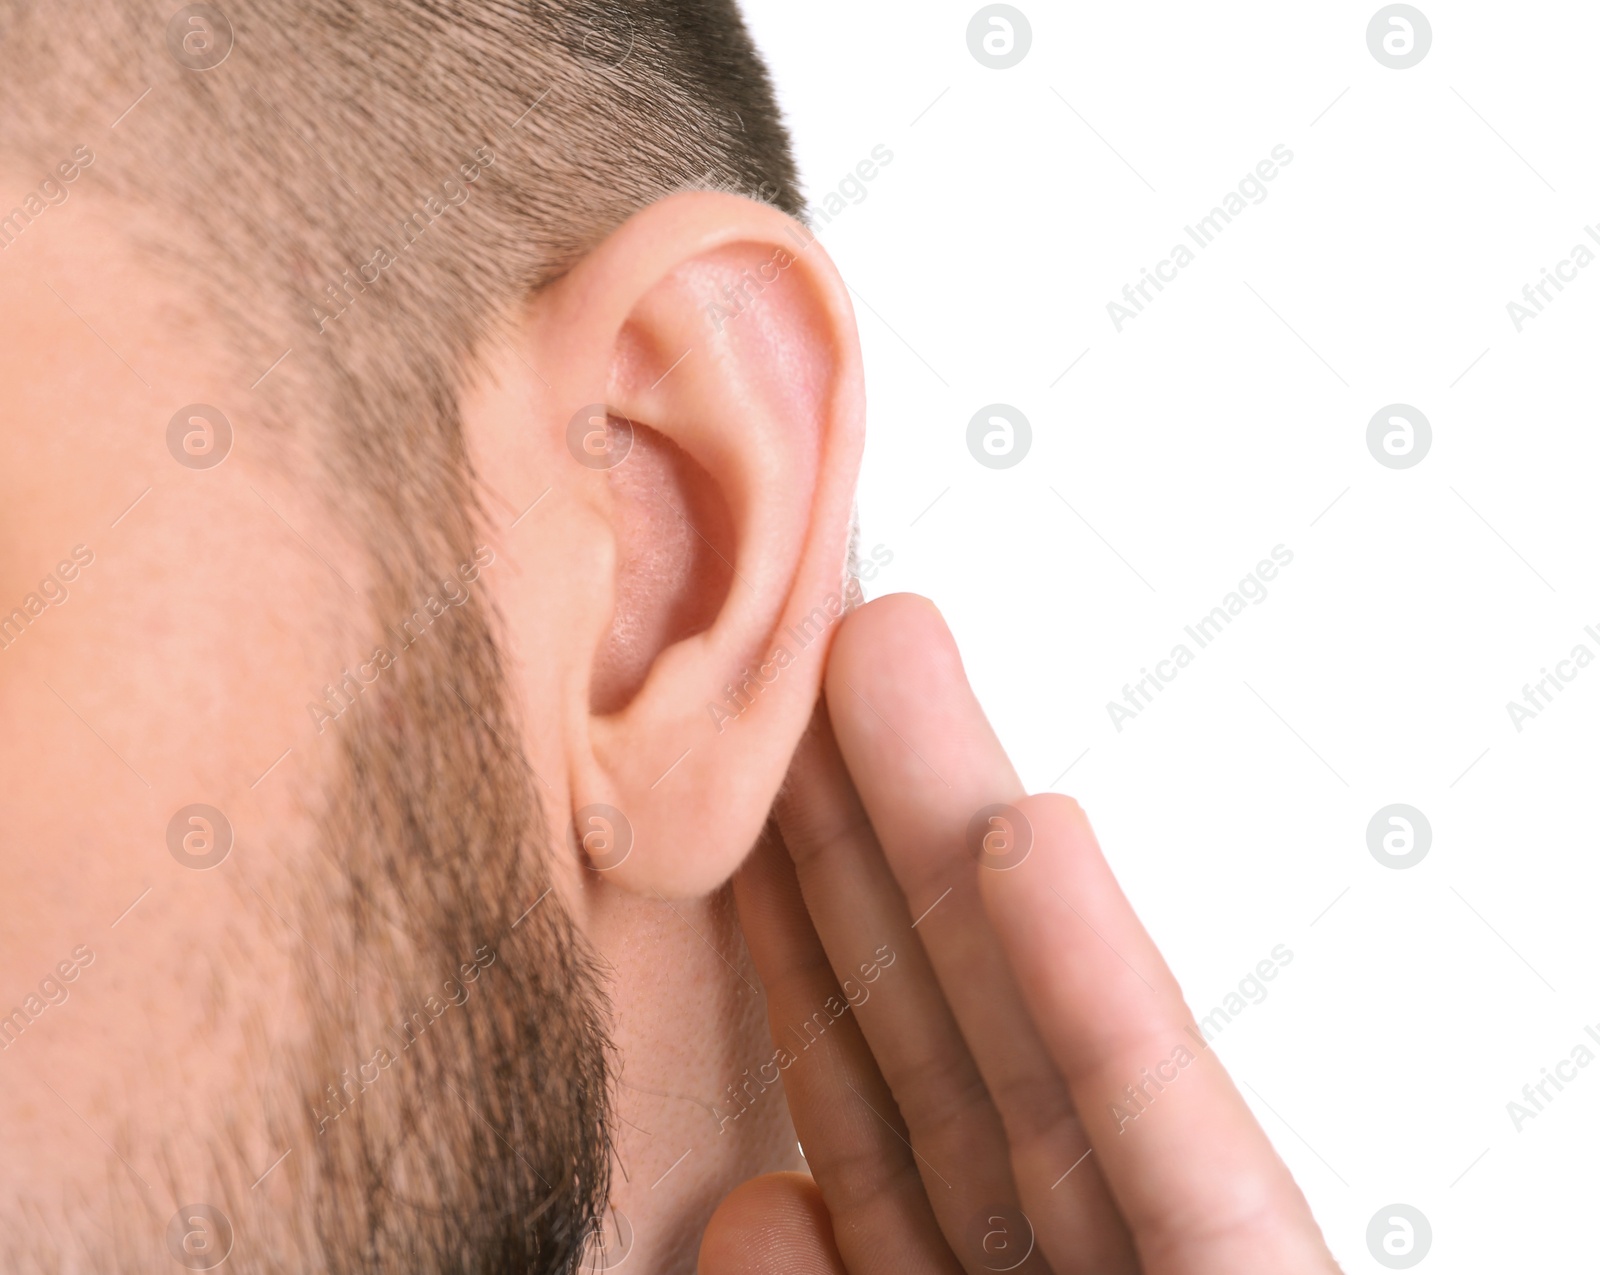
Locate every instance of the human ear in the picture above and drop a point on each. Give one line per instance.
(696, 424)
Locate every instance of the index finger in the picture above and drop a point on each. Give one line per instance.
(1201, 1187)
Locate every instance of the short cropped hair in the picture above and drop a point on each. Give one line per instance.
(370, 184)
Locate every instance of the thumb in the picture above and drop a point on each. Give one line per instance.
(772, 1225)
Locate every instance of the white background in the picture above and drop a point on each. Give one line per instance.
(1224, 420)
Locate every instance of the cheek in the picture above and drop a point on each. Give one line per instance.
(107, 738)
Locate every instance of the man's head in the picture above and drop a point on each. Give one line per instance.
(427, 457)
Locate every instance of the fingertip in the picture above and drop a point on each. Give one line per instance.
(776, 1224)
(1061, 904)
(1053, 826)
(897, 605)
(884, 633)
(1061, 822)
(905, 715)
(1057, 807)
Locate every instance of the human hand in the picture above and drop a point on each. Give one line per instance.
(989, 1065)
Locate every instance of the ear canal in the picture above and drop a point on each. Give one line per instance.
(675, 547)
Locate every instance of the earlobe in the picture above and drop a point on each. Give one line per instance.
(731, 354)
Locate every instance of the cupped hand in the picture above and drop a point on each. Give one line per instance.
(989, 1065)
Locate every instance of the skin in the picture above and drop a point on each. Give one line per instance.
(218, 601)
(180, 665)
(1024, 1001)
